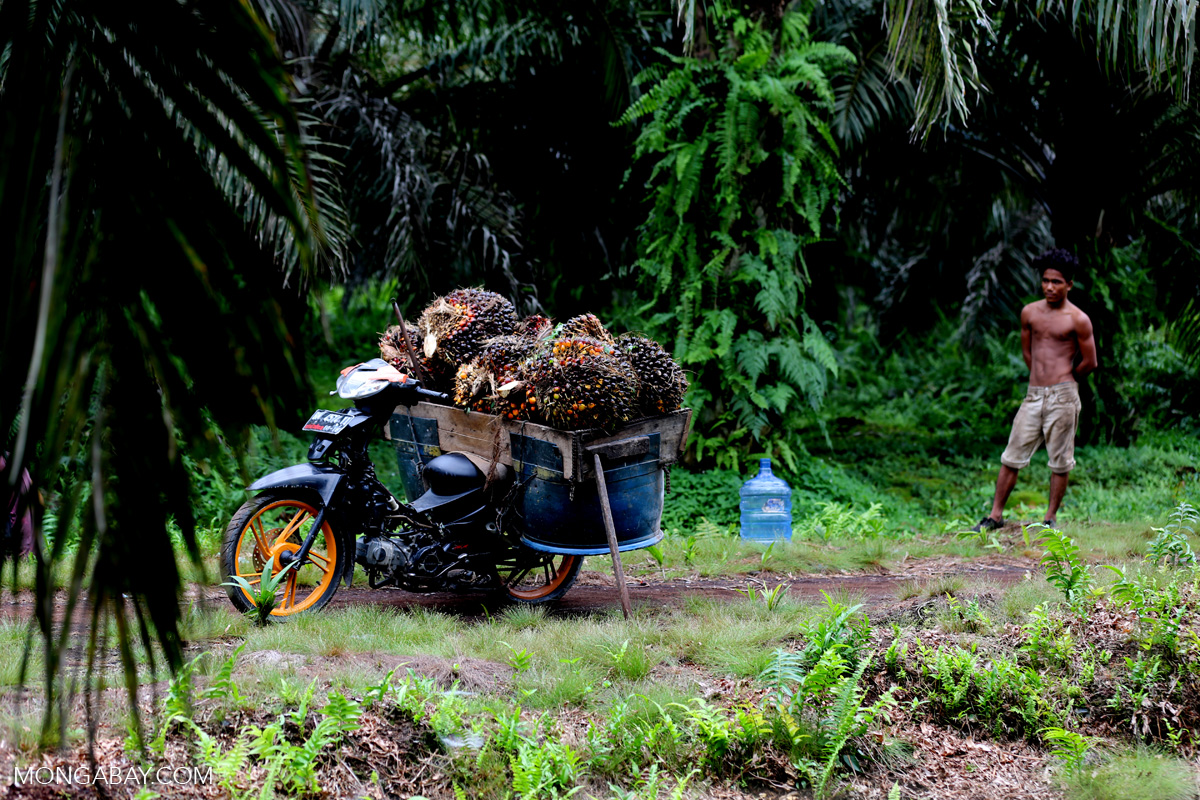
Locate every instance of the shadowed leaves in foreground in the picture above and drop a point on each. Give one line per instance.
(143, 314)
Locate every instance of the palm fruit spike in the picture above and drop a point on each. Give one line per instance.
(391, 347)
(437, 375)
(473, 388)
(534, 327)
(502, 355)
(453, 328)
(516, 400)
(501, 359)
(663, 383)
(582, 383)
(584, 326)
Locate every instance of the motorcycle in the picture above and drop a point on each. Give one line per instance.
(319, 519)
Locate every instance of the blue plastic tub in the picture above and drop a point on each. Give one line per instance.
(557, 509)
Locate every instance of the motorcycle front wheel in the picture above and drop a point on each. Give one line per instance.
(533, 577)
(261, 532)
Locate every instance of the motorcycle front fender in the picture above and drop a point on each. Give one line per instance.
(315, 477)
(323, 480)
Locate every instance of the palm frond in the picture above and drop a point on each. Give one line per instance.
(140, 307)
(417, 201)
(1159, 38)
(869, 96)
(939, 38)
(1185, 332)
(1000, 276)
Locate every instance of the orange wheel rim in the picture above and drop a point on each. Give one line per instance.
(279, 528)
(552, 578)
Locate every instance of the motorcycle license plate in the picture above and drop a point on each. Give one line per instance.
(330, 422)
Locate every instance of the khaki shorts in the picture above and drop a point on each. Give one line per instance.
(1049, 414)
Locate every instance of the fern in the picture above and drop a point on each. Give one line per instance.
(742, 172)
(1064, 566)
(783, 673)
(844, 715)
(223, 685)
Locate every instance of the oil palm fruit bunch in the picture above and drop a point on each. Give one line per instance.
(581, 383)
(453, 328)
(516, 400)
(585, 326)
(662, 382)
(393, 350)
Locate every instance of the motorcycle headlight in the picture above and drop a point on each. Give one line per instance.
(356, 390)
(367, 379)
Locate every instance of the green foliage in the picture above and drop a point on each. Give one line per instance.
(743, 173)
(519, 660)
(222, 685)
(1064, 566)
(940, 40)
(712, 494)
(1009, 697)
(1069, 747)
(138, 177)
(1171, 543)
(818, 711)
(966, 617)
(263, 596)
(838, 521)
(1048, 642)
(178, 705)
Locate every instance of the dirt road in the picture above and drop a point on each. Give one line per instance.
(595, 590)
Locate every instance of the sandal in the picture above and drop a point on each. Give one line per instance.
(987, 524)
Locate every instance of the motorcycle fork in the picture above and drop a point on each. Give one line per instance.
(302, 553)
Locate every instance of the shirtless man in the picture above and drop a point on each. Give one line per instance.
(1057, 342)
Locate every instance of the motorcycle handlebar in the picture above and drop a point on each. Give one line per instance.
(432, 394)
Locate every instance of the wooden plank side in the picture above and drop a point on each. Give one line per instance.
(469, 432)
(475, 432)
(672, 431)
(621, 448)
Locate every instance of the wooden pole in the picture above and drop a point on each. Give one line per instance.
(412, 357)
(611, 530)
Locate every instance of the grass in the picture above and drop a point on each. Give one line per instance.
(13, 636)
(1136, 774)
(1017, 600)
(565, 659)
(724, 554)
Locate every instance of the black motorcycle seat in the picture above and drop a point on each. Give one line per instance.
(452, 474)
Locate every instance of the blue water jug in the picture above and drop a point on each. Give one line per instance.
(766, 506)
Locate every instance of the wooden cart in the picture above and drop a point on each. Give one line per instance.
(578, 492)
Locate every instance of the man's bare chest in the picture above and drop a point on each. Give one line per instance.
(1053, 327)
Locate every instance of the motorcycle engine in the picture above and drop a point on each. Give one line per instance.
(382, 555)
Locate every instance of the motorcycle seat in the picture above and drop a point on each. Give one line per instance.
(452, 474)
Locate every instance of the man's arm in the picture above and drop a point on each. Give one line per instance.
(1087, 346)
(1027, 336)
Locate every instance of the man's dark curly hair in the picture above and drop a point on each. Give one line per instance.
(1062, 260)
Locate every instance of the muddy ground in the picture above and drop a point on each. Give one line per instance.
(595, 590)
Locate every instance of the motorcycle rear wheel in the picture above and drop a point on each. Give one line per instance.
(262, 530)
(532, 577)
